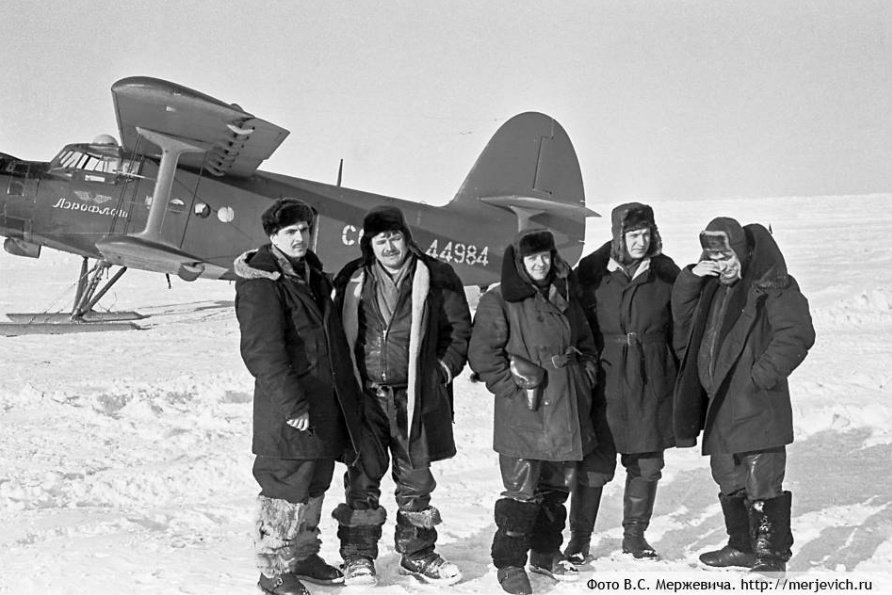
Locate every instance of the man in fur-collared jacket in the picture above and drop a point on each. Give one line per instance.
(741, 327)
(407, 323)
(306, 402)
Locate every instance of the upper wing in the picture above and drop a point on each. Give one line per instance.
(237, 141)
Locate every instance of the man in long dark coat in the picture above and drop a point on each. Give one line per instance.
(742, 326)
(306, 401)
(626, 289)
(408, 324)
(532, 325)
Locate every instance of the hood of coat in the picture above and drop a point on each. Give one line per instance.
(765, 266)
(517, 285)
(262, 264)
(629, 217)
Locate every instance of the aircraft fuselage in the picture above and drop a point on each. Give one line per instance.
(78, 202)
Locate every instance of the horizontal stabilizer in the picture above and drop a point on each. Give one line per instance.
(541, 205)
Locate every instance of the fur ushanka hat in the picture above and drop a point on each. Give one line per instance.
(285, 212)
(381, 219)
(722, 235)
(632, 216)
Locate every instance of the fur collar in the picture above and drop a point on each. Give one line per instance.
(517, 286)
(262, 264)
(593, 267)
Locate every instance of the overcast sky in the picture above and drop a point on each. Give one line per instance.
(662, 99)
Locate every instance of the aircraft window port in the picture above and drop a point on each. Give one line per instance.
(81, 157)
(226, 214)
(202, 210)
(15, 188)
(176, 206)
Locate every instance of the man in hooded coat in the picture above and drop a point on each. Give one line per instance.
(533, 349)
(741, 327)
(626, 289)
(306, 402)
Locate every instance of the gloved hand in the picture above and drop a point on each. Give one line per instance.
(591, 371)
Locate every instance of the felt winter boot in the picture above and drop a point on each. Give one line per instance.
(510, 544)
(739, 550)
(276, 545)
(310, 566)
(771, 535)
(584, 504)
(359, 531)
(638, 506)
(545, 542)
(415, 538)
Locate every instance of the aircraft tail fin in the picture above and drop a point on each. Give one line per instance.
(530, 168)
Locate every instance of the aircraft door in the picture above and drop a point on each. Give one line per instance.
(19, 196)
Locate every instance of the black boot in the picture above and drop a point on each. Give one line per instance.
(584, 504)
(739, 551)
(548, 533)
(415, 538)
(771, 535)
(638, 506)
(514, 522)
(359, 531)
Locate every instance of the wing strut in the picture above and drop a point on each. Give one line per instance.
(171, 149)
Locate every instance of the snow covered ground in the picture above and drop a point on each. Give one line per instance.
(125, 457)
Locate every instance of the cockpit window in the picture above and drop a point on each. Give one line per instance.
(94, 158)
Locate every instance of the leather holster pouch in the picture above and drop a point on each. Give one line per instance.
(529, 377)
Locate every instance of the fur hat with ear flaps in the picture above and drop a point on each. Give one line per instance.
(724, 234)
(516, 284)
(381, 219)
(632, 216)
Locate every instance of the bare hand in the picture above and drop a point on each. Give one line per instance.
(707, 268)
(300, 423)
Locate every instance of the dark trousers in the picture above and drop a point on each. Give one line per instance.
(598, 467)
(528, 480)
(385, 435)
(759, 474)
(294, 480)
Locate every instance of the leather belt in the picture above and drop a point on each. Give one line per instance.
(383, 389)
(634, 338)
(562, 360)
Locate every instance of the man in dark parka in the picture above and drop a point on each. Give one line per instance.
(742, 326)
(408, 324)
(306, 402)
(626, 287)
(533, 317)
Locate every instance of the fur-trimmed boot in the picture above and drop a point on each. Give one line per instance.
(545, 542)
(276, 531)
(359, 531)
(771, 535)
(638, 507)
(584, 504)
(310, 566)
(415, 538)
(514, 522)
(739, 550)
